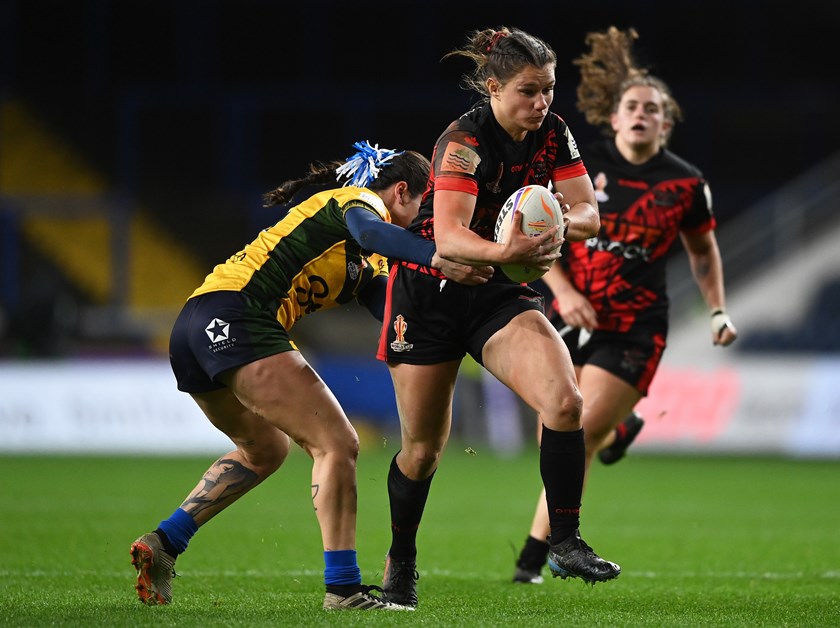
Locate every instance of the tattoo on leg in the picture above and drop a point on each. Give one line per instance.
(224, 482)
(315, 489)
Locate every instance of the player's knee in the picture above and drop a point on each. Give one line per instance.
(351, 447)
(420, 462)
(563, 412)
(344, 444)
(268, 453)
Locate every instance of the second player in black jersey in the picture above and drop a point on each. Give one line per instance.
(610, 293)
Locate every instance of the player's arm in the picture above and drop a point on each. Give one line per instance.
(393, 242)
(580, 209)
(458, 243)
(389, 240)
(574, 308)
(707, 269)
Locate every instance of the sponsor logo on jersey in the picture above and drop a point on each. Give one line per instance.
(374, 201)
(574, 153)
(666, 198)
(600, 184)
(622, 249)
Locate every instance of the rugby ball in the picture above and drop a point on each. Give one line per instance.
(540, 212)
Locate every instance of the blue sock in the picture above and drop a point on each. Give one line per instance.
(341, 568)
(179, 529)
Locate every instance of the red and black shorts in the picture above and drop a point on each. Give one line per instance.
(219, 331)
(428, 321)
(633, 355)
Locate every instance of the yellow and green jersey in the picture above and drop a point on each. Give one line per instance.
(307, 261)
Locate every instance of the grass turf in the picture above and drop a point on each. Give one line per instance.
(702, 541)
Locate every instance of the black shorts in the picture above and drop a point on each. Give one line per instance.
(218, 331)
(633, 356)
(427, 322)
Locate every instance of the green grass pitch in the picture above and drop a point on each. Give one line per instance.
(702, 541)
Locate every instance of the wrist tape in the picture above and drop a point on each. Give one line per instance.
(720, 321)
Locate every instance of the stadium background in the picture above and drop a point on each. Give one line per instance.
(136, 139)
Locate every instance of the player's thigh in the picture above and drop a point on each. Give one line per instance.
(530, 357)
(424, 395)
(259, 440)
(286, 391)
(607, 399)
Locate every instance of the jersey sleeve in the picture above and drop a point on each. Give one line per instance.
(387, 239)
(699, 217)
(568, 164)
(366, 200)
(456, 161)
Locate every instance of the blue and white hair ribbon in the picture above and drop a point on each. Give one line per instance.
(364, 166)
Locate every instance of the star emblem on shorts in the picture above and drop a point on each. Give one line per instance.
(217, 330)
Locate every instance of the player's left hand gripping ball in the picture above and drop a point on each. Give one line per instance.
(540, 212)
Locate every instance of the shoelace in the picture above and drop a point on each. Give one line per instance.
(401, 575)
(367, 589)
(586, 548)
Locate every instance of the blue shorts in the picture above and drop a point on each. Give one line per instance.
(429, 323)
(219, 331)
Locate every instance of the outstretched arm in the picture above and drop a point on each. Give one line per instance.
(374, 234)
(389, 240)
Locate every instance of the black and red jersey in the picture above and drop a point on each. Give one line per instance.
(643, 209)
(476, 155)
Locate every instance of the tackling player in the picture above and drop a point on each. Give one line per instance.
(230, 349)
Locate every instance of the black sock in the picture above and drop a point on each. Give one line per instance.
(344, 589)
(533, 555)
(407, 499)
(164, 540)
(562, 464)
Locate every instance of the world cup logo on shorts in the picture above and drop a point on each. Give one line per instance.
(399, 345)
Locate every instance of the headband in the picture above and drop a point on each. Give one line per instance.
(496, 37)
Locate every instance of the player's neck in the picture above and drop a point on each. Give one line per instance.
(637, 154)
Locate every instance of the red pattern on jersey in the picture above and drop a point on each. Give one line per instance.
(640, 235)
(538, 173)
